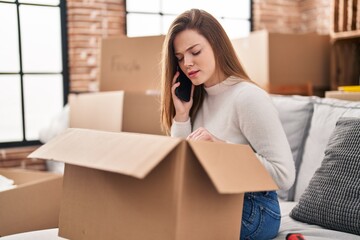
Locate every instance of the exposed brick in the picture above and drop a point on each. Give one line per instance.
(296, 16)
(88, 22)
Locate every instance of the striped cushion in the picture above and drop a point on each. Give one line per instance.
(332, 199)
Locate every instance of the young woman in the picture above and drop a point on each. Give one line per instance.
(225, 106)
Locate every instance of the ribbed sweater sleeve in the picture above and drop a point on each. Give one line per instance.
(180, 129)
(260, 124)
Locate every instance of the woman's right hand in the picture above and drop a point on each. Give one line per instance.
(182, 108)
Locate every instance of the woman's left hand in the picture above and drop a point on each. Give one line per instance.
(202, 134)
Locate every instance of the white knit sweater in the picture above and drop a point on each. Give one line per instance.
(243, 113)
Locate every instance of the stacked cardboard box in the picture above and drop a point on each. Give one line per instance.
(276, 60)
(129, 97)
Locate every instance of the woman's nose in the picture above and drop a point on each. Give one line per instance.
(188, 62)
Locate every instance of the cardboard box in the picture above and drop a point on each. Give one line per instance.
(349, 96)
(33, 205)
(116, 111)
(139, 186)
(278, 59)
(130, 63)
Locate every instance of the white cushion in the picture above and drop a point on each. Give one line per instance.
(327, 111)
(295, 114)
(336, 184)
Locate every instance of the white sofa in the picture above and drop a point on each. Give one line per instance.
(308, 123)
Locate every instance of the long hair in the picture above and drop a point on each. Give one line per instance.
(225, 59)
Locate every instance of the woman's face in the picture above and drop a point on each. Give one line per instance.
(196, 58)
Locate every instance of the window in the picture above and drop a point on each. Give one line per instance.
(33, 68)
(153, 17)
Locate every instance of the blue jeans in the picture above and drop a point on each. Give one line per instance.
(261, 216)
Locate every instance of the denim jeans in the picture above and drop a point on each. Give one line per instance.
(261, 216)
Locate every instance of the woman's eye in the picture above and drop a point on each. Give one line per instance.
(180, 59)
(196, 53)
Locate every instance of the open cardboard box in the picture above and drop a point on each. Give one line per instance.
(34, 203)
(141, 186)
(116, 111)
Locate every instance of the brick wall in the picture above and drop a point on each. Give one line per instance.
(292, 16)
(316, 16)
(88, 22)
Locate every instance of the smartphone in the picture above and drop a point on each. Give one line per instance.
(183, 92)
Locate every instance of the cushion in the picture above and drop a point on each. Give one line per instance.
(332, 199)
(326, 113)
(295, 114)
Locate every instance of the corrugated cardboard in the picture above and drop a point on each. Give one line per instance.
(116, 111)
(130, 63)
(278, 59)
(33, 205)
(349, 96)
(139, 186)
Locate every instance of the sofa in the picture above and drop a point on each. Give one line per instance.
(324, 202)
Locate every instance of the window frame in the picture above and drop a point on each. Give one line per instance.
(250, 19)
(64, 72)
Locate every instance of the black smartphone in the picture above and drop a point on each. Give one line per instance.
(183, 92)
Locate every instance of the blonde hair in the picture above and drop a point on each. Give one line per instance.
(226, 59)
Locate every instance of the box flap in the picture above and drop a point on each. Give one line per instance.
(126, 153)
(233, 168)
(24, 177)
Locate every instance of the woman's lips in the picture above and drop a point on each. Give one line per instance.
(193, 73)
